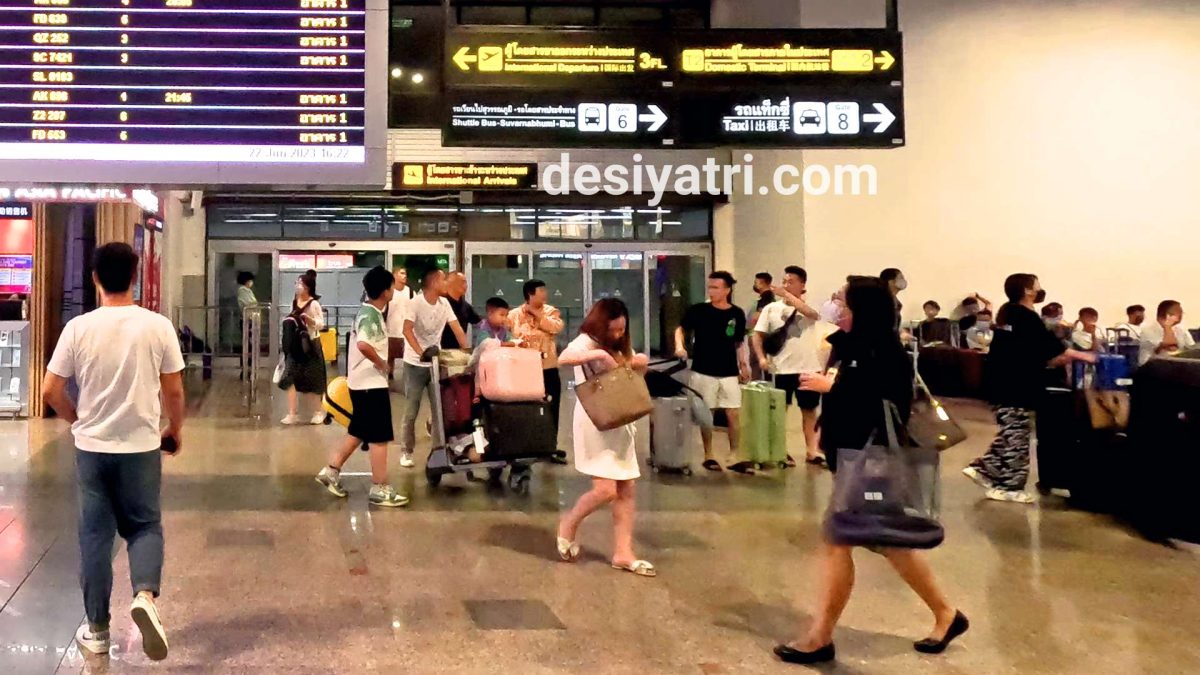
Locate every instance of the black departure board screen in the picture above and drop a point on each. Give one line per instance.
(225, 82)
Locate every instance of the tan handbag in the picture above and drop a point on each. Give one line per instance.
(1108, 409)
(615, 398)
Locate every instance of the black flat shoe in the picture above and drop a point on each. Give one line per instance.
(744, 468)
(793, 655)
(957, 627)
(711, 465)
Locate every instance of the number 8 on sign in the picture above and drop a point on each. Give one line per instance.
(844, 118)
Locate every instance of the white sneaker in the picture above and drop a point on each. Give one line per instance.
(980, 479)
(154, 638)
(317, 419)
(1018, 496)
(95, 643)
(386, 495)
(332, 480)
(406, 460)
(290, 420)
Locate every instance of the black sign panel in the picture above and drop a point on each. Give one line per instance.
(215, 81)
(464, 176)
(560, 59)
(16, 210)
(796, 117)
(739, 58)
(527, 119)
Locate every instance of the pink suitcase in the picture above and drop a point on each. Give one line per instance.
(511, 374)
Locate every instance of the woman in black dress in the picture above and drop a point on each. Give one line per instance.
(869, 366)
(306, 375)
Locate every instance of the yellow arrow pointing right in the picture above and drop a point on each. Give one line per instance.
(463, 58)
(885, 60)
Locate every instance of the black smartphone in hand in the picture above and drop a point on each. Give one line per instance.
(169, 445)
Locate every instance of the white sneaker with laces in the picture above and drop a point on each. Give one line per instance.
(406, 460)
(1018, 496)
(94, 643)
(290, 420)
(154, 638)
(980, 479)
(386, 495)
(317, 419)
(332, 480)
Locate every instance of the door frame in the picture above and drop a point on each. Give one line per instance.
(273, 247)
(531, 248)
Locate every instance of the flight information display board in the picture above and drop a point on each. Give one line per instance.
(217, 82)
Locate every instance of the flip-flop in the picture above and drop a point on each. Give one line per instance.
(641, 568)
(789, 463)
(817, 461)
(744, 468)
(712, 465)
(568, 551)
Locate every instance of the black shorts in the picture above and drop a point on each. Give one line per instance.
(806, 400)
(372, 418)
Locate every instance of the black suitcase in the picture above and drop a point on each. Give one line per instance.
(1058, 438)
(519, 430)
(1164, 432)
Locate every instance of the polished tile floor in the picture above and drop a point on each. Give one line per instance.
(268, 574)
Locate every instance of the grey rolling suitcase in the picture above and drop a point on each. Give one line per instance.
(673, 436)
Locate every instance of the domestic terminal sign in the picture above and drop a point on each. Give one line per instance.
(464, 176)
(835, 56)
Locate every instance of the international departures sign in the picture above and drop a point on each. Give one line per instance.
(750, 88)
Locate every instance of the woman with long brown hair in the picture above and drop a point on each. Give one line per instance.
(609, 457)
(306, 375)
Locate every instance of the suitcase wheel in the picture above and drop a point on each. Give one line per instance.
(519, 483)
(687, 470)
(434, 477)
(494, 475)
(328, 419)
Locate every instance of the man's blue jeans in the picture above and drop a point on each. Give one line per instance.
(118, 494)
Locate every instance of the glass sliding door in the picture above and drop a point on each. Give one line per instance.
(675, 282)
(565, 279)
(621, 276)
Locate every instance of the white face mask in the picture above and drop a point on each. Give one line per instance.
(983, 325)
(901, 284)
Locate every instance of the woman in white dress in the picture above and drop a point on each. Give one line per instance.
(609, 457)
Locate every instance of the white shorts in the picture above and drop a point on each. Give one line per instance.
(719, 393)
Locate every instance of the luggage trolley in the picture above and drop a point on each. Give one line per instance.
(453, 458)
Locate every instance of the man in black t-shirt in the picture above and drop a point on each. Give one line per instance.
(762, 285)
(720, 360)
(1022, 349)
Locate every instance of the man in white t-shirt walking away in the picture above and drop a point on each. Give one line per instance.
(397, 310)
(428, 315)
(804, 350)
(123, 358)
(370, 400)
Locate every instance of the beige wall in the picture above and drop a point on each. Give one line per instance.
(184, 251)
(1054, 137)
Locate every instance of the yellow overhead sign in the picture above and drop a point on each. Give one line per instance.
(540, 59)
(463, 176)
(786, 58)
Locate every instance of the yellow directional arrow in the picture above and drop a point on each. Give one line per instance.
(885, 60)
(463, 59)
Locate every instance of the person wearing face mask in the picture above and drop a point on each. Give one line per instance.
(979, 335)
(1022, 349)
(1167, 335)
(306, 375)
(1086, 335)
(971, 306)
(1052, 315)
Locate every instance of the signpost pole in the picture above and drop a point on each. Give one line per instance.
(893, 14)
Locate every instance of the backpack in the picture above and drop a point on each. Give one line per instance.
(295, 341)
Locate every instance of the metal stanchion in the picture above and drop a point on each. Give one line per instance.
(251, 354)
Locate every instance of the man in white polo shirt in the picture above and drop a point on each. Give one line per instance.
(124, 358)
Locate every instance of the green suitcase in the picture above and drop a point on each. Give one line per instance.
(763, 424)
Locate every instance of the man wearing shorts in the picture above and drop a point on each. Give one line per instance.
(719, 363)
(804, 351)
(371, 417)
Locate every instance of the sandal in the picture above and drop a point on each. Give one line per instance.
(789, 463)
(712, 465)
(819, 460)
(568, 551)
(641, 568)
(744, 468)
